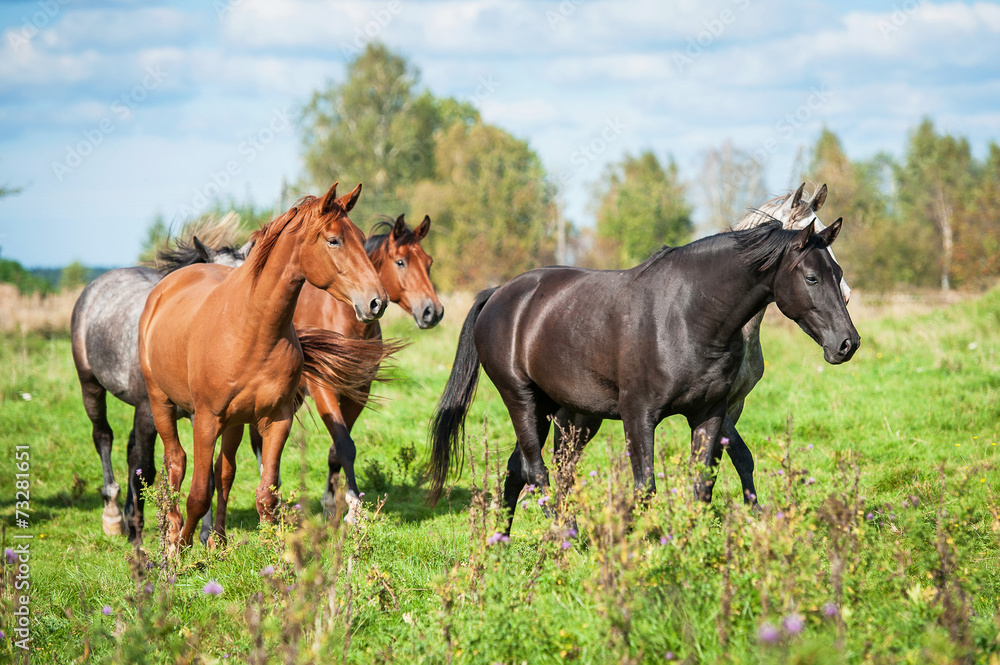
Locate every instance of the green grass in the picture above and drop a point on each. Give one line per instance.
(906, 433)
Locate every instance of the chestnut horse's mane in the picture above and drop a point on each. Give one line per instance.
(306, 211)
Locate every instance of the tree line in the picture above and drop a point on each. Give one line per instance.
(926, 219)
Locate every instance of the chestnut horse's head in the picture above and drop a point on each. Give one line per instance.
(405, 268)
(333, 258)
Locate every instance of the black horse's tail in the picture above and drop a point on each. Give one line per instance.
(449, 420)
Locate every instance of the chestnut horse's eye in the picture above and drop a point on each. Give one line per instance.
(401, 263)
(333, 242)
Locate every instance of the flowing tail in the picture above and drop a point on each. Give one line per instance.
(449, 420)
(345, 365)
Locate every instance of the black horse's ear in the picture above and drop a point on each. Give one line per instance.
(797, 197)
(348, 200)
(421, 232)
(818, 199)
(204, 252)
(830, 233)
(329, 199)
(398, 228)
(801, 240)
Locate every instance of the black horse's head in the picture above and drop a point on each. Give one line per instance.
(807, 290)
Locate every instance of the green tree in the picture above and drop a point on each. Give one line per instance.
(375, 129)
(72, 276)
(977, 233)
(934, 183)
(641, 206)
(12, 272)
(878, 249)
(491, 206)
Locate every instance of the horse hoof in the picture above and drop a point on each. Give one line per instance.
(206, 538)
(113, 525)
(329, 503)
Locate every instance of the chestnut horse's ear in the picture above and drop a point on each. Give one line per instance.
(421, 231)
(830, 233)
(818, 199)
(398, 228)
(801, 240)
(348, 200)
(329, 199)
(204, 252)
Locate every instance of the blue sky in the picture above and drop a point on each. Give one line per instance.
(114, 111)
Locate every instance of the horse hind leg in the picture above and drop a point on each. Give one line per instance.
(530, 417)
(141, 469)
(95, 403)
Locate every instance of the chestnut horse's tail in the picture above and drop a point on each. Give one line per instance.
(449, 421)
(345, 365)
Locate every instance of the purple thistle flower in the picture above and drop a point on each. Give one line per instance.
(768, 634)
(793, 623)
(106, 610)
(673, 490)
(298, 506)
(494, 539)
(659, 474)
(781, 472)
(524, 505)
(529, 489)
(566, 544)
(779, 515)
(810, 480)
(572, 533)
(505, 538)
(724, 441)
(663, 540)
(869, 516)
(669, 655)
(138, 472)
(361, 495)
(267, 571)
(10, 555)
(542, 500)
(830, 610)
(593, 474)
(213, 588)
(809, 447)
(628, 454)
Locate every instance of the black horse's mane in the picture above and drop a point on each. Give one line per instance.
(759, 247)
(184, 254)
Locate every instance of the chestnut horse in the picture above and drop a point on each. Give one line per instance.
(638, 345)
(219, 343)
(404, 268)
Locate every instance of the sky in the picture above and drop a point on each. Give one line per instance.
(115, 111)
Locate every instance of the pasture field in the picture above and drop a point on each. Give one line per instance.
(879, 541)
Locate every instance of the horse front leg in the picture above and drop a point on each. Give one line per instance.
(174, 459)
(273, 434)
(706, 449)
(206, 430)
(339, 416)
(640, 427)
(225, 472)
(742, 460)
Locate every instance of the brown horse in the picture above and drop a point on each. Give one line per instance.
(404, 268)
(219, 343)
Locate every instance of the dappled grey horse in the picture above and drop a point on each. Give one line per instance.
(105, 341)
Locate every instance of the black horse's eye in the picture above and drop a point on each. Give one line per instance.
(401, 263)
(812, 279)
(333, 242)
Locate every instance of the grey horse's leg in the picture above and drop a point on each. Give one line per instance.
(141, 468)
(95, 403)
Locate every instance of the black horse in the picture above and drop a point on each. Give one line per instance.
(638, 345)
